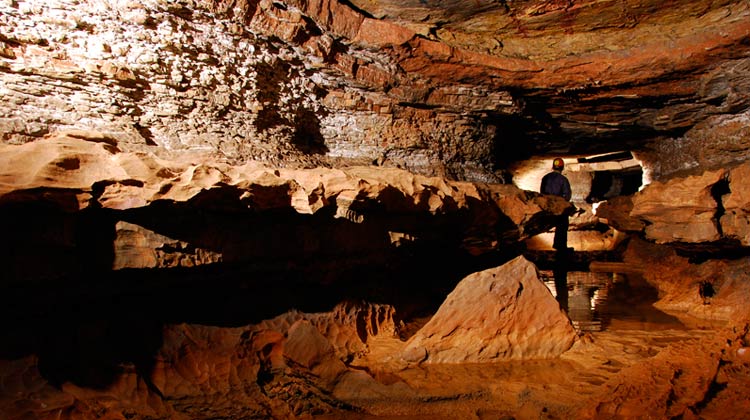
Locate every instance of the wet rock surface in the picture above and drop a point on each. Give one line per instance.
(711, 289)
(346, 363)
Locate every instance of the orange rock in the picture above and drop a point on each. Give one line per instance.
(504, 313)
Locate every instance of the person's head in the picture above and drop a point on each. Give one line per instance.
(558, 164)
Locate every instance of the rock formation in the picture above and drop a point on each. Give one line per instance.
(281, 368)
(705, 208)
(713, 289)
(679, 383)
(188, 187)
(402, 84)
(679, 210)
(147, 202)
(498, 314)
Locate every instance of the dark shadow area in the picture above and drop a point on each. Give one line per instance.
(146, 133)
(560, 274)
(307, 136)
(269, 81)
(609, 184)
(87, 323)
(43, 242)
(304, 125)
(718, 191)
(562, 124)
(311, 30)
(697, 253)
(512, 143)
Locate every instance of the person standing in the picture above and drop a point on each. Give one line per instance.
(555, 183)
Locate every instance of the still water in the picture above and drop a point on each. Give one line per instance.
(608, 301)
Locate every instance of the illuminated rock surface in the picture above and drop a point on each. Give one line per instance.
(499, 314)
(198, 198)
(399, 83)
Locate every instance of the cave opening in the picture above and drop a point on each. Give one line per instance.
(718, 191)
(612, 175)
(608, 184)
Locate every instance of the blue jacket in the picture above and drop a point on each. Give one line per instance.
(555, 183)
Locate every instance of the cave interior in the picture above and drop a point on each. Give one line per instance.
(269, 209)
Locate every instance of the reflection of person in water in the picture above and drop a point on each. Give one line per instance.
(561, 286)
(582, 310)
(555, 183)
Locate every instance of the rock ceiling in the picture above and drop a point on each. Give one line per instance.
(583, 71)
(456, 88)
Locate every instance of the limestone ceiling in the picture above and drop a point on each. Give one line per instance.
(461, 88)
(581, 71)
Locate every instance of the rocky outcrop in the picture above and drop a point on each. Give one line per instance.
(505, 313)
(615, 212)
(714, 289)
(734, 214)
(281, 368)
(718, 142)
(680, 209)
(137, 247)
(694, 209)
(687, 380)
(182, 212)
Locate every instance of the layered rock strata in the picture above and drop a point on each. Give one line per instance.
(694, 209)
(425, 87)
(254, 80)
(151, 212)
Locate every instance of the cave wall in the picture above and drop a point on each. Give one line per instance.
(310, 83)
(258, 81)
(130, 209)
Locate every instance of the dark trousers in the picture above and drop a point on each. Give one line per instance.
(561, 234)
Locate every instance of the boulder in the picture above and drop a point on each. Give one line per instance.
(503, 313)
(680, 209)
(616, 213)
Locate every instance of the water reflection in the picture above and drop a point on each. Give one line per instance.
(596, 301)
